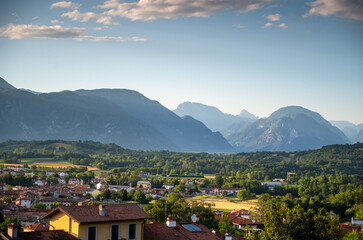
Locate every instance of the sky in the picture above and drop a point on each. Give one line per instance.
(258, 55)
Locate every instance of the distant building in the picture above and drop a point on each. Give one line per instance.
(144, 184)
(75, 181)
(144, 174)
(271, 185)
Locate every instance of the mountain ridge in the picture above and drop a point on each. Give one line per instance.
(124, 117)
(288, 129)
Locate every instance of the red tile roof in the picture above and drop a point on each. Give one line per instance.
(37, 227)
(90, 214)
(42, 235)
(159, 231)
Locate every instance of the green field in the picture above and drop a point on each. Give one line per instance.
(41, 160)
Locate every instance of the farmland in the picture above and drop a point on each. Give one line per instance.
(225, 203)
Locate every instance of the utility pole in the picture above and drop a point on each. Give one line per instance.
(166, 206)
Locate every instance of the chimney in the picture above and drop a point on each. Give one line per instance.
(12, 230)
(171, 222)
(195, 218)
(102, 210)
(227, 237)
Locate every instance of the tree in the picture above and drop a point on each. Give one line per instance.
(122, 195)
(297, 224)
(218, 181)
(8, 188)
(244, 195)
(224, 226)
(353, 236)
(40, 206)
(359, 213)
(4, 224)
(156, 211)
(6, 199)
(179, 189)
(140, 197)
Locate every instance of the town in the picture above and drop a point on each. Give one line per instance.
(73, 203)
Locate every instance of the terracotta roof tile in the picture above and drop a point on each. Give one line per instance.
(37, 227)
(89, 214)
(159, 231)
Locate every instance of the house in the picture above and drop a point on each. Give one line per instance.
(118, 221)
(181, 231)
(49, 201)
(99, 185)
(144, 184)
(24, 202)
(119, 187)
(240, 219)
(75, 181)
(41, 182)
(206, 190)
(229, 191)
(356, 222)
(36, 227)
(168, 186)
(271, 185)
(29, 174)
(144, 174)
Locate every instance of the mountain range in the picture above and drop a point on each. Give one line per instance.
(121, 116)
(213, 118)
(131, 120)
(353, 131)
(288, 129)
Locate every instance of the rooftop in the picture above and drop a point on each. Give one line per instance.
(90, 214)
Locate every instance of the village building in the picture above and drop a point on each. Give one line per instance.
(144, 184)
(99, 222)
(144, 174)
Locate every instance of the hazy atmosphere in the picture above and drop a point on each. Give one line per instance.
(258, 55)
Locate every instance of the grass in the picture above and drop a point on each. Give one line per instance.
(228, 203)
(209, 175)
(37, 160)
(98, 172)
(200, 197)
(52, 165)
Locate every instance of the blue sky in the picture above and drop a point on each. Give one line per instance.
(258, 55)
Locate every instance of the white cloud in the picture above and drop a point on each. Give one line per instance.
(274, 17)
(75, 15)
(352, 9)
(64, 4)
(12, 31)
(268, 24)
(54, 21)
(107, 20)
(283, 25)
(165, 9)
(35, 18)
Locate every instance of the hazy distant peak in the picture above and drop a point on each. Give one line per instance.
(293, 110)
(31, 91)
(245, 114)
(342, 124)
(5, 84)
(193, 106)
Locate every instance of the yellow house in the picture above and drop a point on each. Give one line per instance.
(111, 222)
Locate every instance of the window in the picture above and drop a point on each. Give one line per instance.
(114, 232)
(132, 231)
(91, 233)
